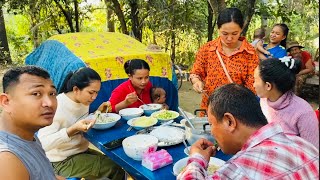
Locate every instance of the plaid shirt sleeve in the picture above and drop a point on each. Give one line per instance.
(196, 168)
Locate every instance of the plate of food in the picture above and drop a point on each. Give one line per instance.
(168, 135)
(213, 165)
(142, 122)
(165, 115)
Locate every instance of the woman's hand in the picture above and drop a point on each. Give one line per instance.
(203, 147)
(80, 126)
(131, 98)
(198, 86)
(105, 107)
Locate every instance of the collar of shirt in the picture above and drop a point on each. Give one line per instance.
(262, 134)
(282, 102)
(245, 46)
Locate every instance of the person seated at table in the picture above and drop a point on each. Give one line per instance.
(158, 96)
(136, 90)
(261, 150)
(28, 103)
(63, 140)
(274, 83)
(307, 69)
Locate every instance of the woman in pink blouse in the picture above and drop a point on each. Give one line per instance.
(274, 83)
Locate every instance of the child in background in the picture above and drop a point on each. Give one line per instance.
(158, 96)
(259, 35)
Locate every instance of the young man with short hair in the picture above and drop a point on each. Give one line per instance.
(28, 103)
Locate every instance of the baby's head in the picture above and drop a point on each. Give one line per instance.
(158, 95)
(259, 33)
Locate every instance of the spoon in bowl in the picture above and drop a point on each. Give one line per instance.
(143, 102)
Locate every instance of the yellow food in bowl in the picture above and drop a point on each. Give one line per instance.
(144, 121)
(165, 115)
(211, 168)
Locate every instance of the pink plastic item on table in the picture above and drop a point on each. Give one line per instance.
(156, 160)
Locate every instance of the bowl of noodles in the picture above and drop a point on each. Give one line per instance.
(104, 120)
(165, 115)
(148, 109)
(142, 122)
(213, 165)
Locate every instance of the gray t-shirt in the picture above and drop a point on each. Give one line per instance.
(30, 153)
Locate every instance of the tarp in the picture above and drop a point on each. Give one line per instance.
(106, 53)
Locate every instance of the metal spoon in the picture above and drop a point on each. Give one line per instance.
(83, 115)
(186, 117)
(185, 144)
(142, 101)
(129, 128)
(166, 123)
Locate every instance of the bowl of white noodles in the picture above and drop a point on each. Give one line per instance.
(104, 120)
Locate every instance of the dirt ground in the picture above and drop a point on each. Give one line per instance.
(189, 100)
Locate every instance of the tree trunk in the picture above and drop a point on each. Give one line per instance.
(154, 38)
(221, 5)
(110, 22)
(173, 46)
(216, 7)
(249, 14)
(34, 19)
(4, 46)
(264, 17)
(119, 13)
(76, 15)
(173, 35)
(66, 15)
(134, 15)
(209, 19)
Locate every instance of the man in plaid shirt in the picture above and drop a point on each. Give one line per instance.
(262, 150)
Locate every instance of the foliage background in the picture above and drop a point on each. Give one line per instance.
(179, 27)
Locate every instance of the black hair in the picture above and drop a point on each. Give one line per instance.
(280, 72)
(230, 15)
(153, 94)
(240, 102)
(11, 77)
(80, 78)
(132, 65)
(285, 30)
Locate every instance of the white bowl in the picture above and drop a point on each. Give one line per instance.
(160, 115)
(142, 122)
(129, 113)
(135, 146)
(148, 109)
(213, 164)
(105, 121)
